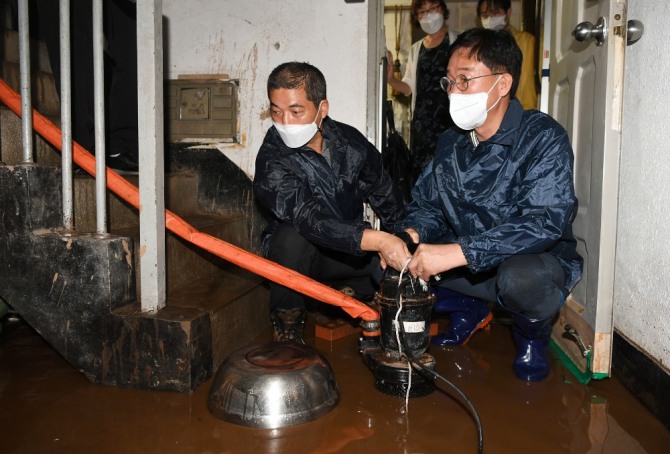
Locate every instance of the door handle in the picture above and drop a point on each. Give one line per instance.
(634, 31)
(570, 333)
(586, 31)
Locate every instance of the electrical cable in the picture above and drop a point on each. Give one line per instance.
(411, 358)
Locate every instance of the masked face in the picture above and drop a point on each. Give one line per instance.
(431, 22)
(468, 110)
(495, 22)
(297, 135)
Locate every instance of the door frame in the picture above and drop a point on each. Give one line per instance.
(599, 277)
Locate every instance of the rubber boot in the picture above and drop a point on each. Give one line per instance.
(289, 325)
(531, 338)
(466, 316)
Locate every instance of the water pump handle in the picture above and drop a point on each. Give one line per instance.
(411, 245)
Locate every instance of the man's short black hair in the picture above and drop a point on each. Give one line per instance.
(417, 4)
(504, 5)
(294, 75)
(497, 49)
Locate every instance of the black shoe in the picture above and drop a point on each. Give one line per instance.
(122, 164)
(288, 325)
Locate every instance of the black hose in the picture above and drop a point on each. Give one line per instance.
(415, 362)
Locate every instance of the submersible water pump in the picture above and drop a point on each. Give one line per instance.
(404, 336)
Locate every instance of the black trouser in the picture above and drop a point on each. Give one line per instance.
(533, 285)
(336, 269)
(120, 23)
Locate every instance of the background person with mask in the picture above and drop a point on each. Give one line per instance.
(493, 211)
(313, 175)
(426, 64)
(495, 14)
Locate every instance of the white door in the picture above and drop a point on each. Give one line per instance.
(585, 96)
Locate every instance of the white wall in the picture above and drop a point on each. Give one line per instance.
(247, 39)
(642, 280)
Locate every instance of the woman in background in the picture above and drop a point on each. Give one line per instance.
(426, 64)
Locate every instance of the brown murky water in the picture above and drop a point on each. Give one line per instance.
(46, 406)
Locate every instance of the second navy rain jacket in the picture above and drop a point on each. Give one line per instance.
(512, 194)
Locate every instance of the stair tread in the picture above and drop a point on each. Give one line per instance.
(215, 291)
(207, 294)
(200, 221)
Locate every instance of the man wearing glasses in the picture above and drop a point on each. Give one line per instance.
(493, 211)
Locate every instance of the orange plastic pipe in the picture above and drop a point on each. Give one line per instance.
(244, 259)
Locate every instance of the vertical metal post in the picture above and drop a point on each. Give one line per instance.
(376, 86)
(151, 161)
(24, 69)
(376, 49)
(66, 114)
(99, 111)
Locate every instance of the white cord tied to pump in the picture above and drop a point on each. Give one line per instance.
(480, 432)
(397, 333)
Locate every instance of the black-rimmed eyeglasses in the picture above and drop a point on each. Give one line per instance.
(461, 82)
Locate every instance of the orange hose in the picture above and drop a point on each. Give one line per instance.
(244, 259)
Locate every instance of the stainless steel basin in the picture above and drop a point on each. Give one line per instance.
(273, 385)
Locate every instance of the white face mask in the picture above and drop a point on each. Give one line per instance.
(431, 22)
(295, 136)
(469, 110)
(495, 22)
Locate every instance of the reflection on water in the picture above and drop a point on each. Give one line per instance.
(47, 406)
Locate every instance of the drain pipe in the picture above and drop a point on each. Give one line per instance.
(236, 255)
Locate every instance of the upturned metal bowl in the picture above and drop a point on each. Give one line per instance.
(273, 385)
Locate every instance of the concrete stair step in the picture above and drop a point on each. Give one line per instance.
(45, 97)
(44, 94)
(169, 351)
(237, 302)
(185, 262)
(11, 149)
(203, 324)
(189, 338)
(38, 51)
(181, 197)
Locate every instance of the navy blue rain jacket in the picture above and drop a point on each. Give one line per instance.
(325, 202)
(512, 194)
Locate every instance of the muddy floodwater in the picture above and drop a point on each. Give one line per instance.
(46, 406)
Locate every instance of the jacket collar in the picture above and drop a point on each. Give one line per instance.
(509, 127)
(507, 132)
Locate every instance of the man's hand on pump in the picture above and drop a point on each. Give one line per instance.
(432, 259)
(392, 250)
